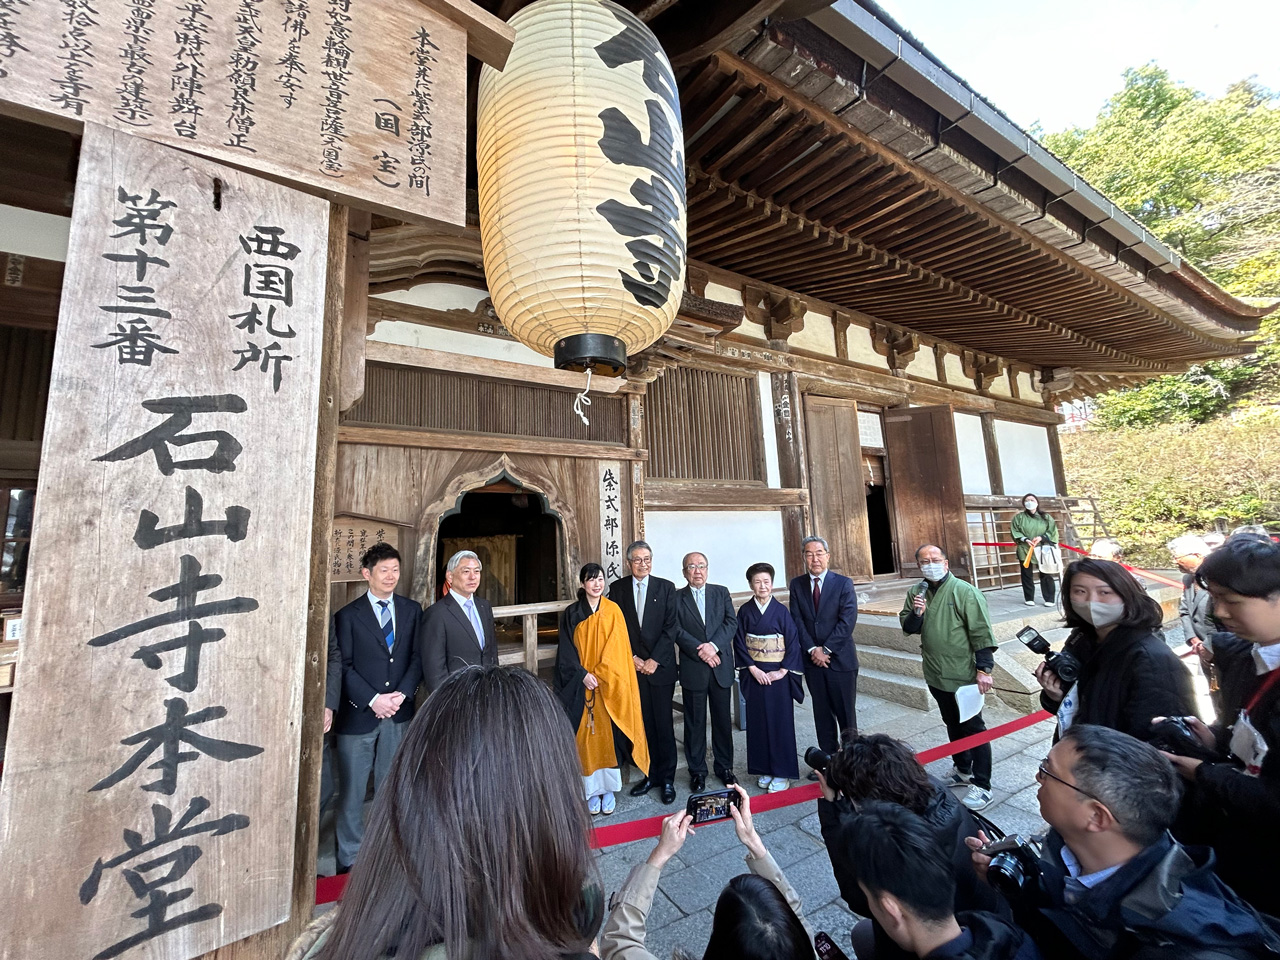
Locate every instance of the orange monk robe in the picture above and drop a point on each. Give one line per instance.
(605, 651)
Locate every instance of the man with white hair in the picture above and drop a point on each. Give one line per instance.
(457, 630)
(1195, 607)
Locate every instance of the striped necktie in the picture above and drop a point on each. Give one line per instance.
(388, 626)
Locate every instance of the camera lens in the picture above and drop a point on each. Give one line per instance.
(1007, 873)
(816, 759)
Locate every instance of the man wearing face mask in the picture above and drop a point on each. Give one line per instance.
(1128, 674)
(958, 648)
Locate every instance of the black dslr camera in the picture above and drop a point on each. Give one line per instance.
(1174, 735)
(1063, 664)
(1014, 867)
(817, 759)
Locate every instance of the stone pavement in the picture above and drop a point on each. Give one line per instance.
(692, 881)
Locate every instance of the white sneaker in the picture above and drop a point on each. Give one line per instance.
(778, 785)
(608, 803)
(593, 806)
(976, 798)
(957, 779)
(1048, 603)
(764, 782)
(1029, 603)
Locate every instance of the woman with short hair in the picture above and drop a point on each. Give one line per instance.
(1127, 673)
(1032, 527)
(595, 679)
(478, 844)
(766, 650)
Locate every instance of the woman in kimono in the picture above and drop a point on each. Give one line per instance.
(767, 649)
(596, 681)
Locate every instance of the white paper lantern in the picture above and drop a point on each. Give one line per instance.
(582, 194)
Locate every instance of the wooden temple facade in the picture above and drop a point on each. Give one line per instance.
(889, 289)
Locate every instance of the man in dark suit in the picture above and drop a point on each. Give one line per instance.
(824, 606)
(649, 605)
(380, 672)
(707, 626)
(457, 630)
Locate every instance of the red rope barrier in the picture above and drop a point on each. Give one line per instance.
(329, 889)
(1066, 546)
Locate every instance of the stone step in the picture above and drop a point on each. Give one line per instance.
(909, 691)
(887, 660)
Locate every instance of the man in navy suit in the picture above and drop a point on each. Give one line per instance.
(649, 606)
(824, 606)
(380, 672)
(707, 627)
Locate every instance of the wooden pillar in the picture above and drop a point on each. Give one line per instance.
(994, 473)
(1055, 457)
(793, 471)
(354, 317)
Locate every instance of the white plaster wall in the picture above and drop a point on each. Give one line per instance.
(749, 329)
(1025, 462)
(772, 472)
(438, 296)
(974, 476)
(1025, 387)
(731, 539)
(922, 364)
(818, 335)
(455, 341)
(1000, 386)
(718, 291)
(860, 349)
(32, 233)
(955, 371)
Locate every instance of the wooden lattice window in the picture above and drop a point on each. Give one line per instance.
(702, 425)
(16, 507)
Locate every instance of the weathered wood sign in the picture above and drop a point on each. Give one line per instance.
(362, 102)
(155, 727)
(350, 537)
(611, 558)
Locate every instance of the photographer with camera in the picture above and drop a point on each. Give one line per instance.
(1110, 883)
(911, 890)
(1233, 800)
(1127, 673)
(875, 768)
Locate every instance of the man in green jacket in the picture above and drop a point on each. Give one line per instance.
(951, 618)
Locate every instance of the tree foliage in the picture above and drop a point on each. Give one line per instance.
(1202, 173)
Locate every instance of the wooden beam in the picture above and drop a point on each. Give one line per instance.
(407, 356)
(488, 442)
(355, 310)
(994, 472)
(489, 40)
(690, 31)
(710, 495)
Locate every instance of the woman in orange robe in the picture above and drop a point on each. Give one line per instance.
(596, 681)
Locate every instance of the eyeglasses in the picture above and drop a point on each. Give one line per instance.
(1042, 772)
(697, 566)
(641, 561)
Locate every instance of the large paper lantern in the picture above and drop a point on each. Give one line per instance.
(581, 174)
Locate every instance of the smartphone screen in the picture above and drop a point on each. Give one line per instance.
(826, 948)
(712, 805)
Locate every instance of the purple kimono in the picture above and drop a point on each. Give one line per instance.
(769, 641)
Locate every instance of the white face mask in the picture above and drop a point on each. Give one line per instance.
(933, 572)
(1031, 506)
(1098, 614)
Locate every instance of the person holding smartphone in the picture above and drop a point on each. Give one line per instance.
(757, 915)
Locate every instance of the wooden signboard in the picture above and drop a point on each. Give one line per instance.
(360, 102)
(150, 786)
(349, 538)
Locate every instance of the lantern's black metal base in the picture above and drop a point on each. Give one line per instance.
(605, 355)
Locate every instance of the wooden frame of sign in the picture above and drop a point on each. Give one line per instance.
(350, 535)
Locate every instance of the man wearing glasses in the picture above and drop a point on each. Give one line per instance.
(649, 606)
(707, 627)
(1112, 881)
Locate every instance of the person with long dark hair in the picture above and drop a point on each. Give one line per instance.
(596, 681)
(1030, 528)
(875, 768)
(1128, 674)
(1234, 803)
(757, 916)
(478, 844)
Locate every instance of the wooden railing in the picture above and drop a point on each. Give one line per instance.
(532, 653)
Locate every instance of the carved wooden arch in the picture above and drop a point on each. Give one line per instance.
(501, 467)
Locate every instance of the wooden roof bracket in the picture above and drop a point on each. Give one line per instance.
(896, 345)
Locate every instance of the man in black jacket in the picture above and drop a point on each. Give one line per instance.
(910, 891)
(707, 626)
(649, 606)
(1113, 884)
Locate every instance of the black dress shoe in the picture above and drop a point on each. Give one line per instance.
(698, 782)
(813, 775)
(728, 779)
(668, 793)
(641, 788)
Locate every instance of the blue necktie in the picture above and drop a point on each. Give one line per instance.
(475, 621)
(388, 628)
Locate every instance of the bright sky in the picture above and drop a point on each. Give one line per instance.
(1057, 61)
